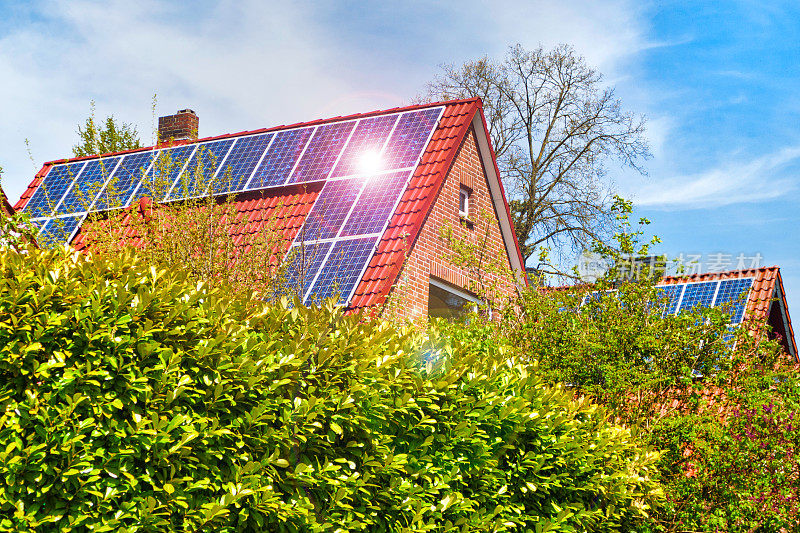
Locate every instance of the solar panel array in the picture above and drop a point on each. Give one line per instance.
(365, 163)
(730, 294)
(354, 207)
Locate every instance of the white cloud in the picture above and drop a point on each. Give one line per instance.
(659, 130)
(240, 65)
(605, 33)
(731, 183)
(249, 64)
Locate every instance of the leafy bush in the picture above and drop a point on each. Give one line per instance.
(134, 399)
(618, 347)
(743, 475)
(685, 390)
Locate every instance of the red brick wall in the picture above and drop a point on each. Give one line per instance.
(430, 256)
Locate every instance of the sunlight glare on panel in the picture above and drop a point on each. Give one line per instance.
(370, 162)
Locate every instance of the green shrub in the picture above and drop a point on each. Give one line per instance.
(742, 475)
(677, 381)
(134, 399)
(618, 346)
(725, 463)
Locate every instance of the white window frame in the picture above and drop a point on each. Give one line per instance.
(465, 194)
(455, 290)
(461, 293)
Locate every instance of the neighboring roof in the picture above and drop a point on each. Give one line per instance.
(417, 199)
(5, 207)
(766, 301)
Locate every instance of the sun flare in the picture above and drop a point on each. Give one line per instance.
(370, 162)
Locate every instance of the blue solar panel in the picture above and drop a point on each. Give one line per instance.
(59, 231)
(88, 185)
(280, 158)
(376, 204)
(46, 197)
(322, 152)
(343, 270)
(701, 294)
(732, 296)
(670, 296)
(330, 209)
(303, 262)
(195, 179)
(241, 161)
(409, 138)
(366, 142)
(124, 181)
(168, 164)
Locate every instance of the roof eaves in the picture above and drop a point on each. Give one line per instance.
(5, 206)
(758, 273)
(508, 232)
(780, 299)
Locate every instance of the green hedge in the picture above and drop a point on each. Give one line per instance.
(134, 399)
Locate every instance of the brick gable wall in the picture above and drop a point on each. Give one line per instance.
(430, 255)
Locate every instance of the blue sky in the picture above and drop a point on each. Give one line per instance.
(718, 81)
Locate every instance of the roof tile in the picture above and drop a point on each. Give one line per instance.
(288, 207)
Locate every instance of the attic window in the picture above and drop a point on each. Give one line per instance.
(464, 199)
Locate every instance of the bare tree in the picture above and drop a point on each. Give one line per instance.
(554, 127)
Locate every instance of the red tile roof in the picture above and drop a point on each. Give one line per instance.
(407, 221)
(284, 209)
(766, 302)
(760, 294)
(5, 207)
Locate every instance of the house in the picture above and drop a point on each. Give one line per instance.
(365, 198)
(753, 296)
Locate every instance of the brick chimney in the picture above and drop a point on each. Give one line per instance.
(182, 126)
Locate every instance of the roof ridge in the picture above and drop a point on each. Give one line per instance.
(740, 271)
